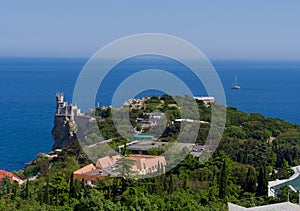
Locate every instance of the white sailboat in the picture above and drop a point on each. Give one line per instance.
(235, 85)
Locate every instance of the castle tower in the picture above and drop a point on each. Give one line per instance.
(60, 104)
(63, 131)
(59, 97)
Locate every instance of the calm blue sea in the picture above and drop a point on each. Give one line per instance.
(28, 88)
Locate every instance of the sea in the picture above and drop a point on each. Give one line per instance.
(28, 87)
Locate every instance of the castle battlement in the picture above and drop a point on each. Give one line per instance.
(64, 109)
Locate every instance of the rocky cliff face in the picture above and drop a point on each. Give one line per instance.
(63, 132)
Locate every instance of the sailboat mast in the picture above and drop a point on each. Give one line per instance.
(235, 85)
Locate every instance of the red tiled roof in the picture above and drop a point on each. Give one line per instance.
(107, 161)
(88, 177)
(4, 173)
(147, 161)
(85, 169)
(142, 162)
(11, 176)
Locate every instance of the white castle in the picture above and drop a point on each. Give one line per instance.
(63, 109)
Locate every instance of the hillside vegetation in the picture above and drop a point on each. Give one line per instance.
(253, 150)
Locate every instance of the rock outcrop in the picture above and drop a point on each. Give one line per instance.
(63, 132)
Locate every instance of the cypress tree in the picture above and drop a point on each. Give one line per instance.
(251, 180)
(72, 187)
(186, 185)
(14, 190)
(213, 190)
(27, 190)
(47, 192)
(262, 182)
(171, 185)
(223, 185)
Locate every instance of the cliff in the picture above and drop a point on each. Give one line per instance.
(63, 132)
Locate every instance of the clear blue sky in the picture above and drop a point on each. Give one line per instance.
(256, 29)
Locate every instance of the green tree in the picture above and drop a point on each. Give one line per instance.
(213, 190)
(125, 165)
(59, 189)
(94, 200)
(223, 184)
(251, 180)
(262, 182)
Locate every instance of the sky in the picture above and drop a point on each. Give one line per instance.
(232, 29)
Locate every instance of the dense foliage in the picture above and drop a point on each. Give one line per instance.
(251, 149)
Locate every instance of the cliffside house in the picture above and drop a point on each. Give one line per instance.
(112, 166)
(293, 183)
(135, 103)
(206, 100)
(141, 147)
(155, 118)
(10, 176)
(90, 174)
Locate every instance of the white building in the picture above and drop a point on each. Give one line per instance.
(206, 99)
(288, 206)
(293, 182)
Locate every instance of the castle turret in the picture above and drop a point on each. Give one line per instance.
(61, 106)
(59, 97)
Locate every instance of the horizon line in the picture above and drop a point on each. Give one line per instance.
(211, 59)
